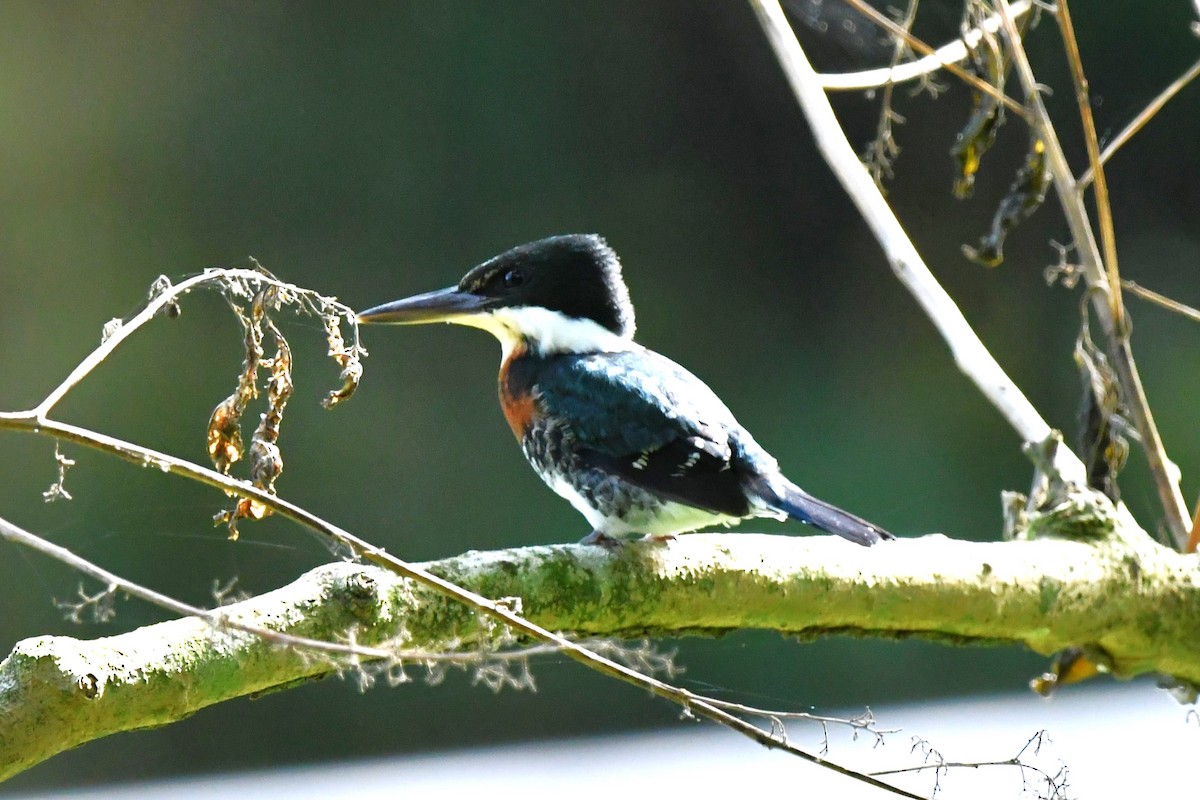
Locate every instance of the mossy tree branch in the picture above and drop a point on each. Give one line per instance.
(1135, 603)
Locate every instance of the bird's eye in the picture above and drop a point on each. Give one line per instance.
(513, 278)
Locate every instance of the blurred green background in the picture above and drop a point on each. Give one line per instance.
(375, 150)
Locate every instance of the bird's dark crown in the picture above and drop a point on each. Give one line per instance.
(577, 275)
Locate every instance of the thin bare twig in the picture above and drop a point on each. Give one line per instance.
(1055, 783)
(972, 358)
(1108, 238)
(219, 618)
(1152, 296)
(882, 151)
(862, 722)
(921, 47)
(1143, 117)
(951, 53)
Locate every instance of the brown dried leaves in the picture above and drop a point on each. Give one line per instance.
(225, 444)
(347, 359)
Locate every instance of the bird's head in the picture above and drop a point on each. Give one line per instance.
(555, 295)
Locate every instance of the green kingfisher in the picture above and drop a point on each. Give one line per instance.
(635, 442)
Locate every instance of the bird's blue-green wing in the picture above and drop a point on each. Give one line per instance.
(645, 418)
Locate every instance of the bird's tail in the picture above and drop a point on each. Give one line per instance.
(781, 495)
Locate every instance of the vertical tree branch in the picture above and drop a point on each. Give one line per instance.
(1108, 237)
(969, 352)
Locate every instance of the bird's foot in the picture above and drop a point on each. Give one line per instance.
(661, 539)
(602, 539)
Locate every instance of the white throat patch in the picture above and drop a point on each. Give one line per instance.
(547, 332)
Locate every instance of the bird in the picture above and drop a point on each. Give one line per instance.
(636, 443)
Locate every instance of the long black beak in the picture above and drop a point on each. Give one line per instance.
(444, 305)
